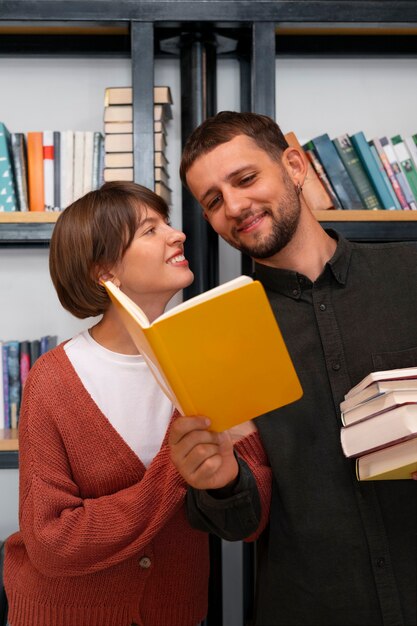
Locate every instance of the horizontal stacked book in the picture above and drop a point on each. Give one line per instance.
(357, 173)
(118, 136)
(47, 170)
(16, 359)
(379, 417)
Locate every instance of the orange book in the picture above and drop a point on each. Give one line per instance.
(35, 171)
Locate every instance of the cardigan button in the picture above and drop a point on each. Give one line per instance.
(145, 562)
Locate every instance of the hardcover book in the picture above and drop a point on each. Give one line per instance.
(35, 171)
(403, 373)
(399, 174)
(19, 156)
(376, 143)
(377, 389)
(396, 462)
(8, 198)
(220, 354)
(124, 95)
(406, 162)
(378, 405)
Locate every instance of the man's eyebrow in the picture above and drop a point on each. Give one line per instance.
(227, 178)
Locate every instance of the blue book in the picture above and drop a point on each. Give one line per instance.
(337, 173)
(371, 168)
(8, 198)
(5, 383)
(13, 366)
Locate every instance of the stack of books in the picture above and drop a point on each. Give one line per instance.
(379, 417)
(357, 173)
(118, 136)
(47, 170)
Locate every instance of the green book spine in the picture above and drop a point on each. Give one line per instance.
(406, 162)
(354, 167)
(371, 168)
(384, 175)
(8, 197)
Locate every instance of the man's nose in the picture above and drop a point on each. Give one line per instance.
(234, 203)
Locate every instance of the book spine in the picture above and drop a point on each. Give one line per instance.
(57, 170)
(2, 420)
(402, 181)
(5, 383)
(354, 167)
(67, 168)
(315, 162)
(24, 361)
(35, 351)
(391, 174)
(35, 171)
(13, 364)
(337, 173)
(78, 176)
(95, 183)
(88, 161)
(385, 177)
(362, 148)
(20, 169)
(48, 169)
(406, 163)
(8, 197)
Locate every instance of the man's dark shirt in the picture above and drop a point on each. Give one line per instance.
(337, 551)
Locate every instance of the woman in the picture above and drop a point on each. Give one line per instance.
(104, 540)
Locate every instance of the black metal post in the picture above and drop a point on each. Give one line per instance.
(198, 101)
(142, 55)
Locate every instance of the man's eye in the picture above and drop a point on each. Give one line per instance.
(247, 179)
(215, 201)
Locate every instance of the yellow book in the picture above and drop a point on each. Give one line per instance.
(397, 462)
(219, 354)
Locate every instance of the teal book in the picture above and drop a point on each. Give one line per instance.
(316, 163)
(355, 169)
(406, 162)
(371, 168)
(337, 173)
(385, 176)
(13, 369)
(8, 197)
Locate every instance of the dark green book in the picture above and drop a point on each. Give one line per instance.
(355, 169)
(337, 173)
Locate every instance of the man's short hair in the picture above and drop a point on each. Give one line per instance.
(92, 235)
(226, 125)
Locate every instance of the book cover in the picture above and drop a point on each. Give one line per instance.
(385, 176)
(35, 351)
(402, 373)
(377, 389)
(78, 171)
(314, 193)
(5, 385)
(378, 405)
(2, 417)
(35, 171)
(88, 161)
(337, 173)
(118, 159)
(361, 146)
(48, 169)
(357, 173)
(396, 462)
(118, 173)
(67, 168)
(399, 174)
(24, 363)
(379, 431)
(228, 372)
(19, 157)
(124, 142)
(123, 95)
(57, 169)
(8, 196)
(406, 162)
(124, 113)
(97, 146)
(412, 148)
(376, 143)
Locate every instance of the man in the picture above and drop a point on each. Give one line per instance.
(337, 551)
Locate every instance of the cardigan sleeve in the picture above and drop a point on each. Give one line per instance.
(244, 512)
(67, 534)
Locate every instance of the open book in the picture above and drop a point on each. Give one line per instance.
(219, 354)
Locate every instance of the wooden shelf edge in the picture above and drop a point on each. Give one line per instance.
(366, 216)
(29, 217)
(9, 441)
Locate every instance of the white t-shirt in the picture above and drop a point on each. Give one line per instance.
(126, 392)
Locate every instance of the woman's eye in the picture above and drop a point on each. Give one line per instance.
(150, 231)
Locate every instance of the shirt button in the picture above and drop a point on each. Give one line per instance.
(336, 367)
(381, 562)
(322, 307)
(295, 292)
(145, 562)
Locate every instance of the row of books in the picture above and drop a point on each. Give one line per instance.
(17, 357)
(357, 173)
(47, 170)
(379, 417)
(118, 136)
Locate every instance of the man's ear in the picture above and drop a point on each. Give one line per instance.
(296, 165)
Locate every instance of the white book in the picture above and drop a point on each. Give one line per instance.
(402, 180)
(378, 405)
(48, 169)
(67, 167)
(78, 181)
(396, 462)
(88, 161)
(412, 149)
(377, 389)
(379, 431)
(395, 374)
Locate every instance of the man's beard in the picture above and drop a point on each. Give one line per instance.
(284, 224)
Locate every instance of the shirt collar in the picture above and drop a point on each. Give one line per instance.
(291, 283)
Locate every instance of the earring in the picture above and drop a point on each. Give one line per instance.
(298, 189)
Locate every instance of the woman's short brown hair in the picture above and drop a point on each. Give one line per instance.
(226, 125)
(93, 233)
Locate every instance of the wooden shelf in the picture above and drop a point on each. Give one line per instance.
(27, 229)
(366, 216)
(9, 441)
(29, 217)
